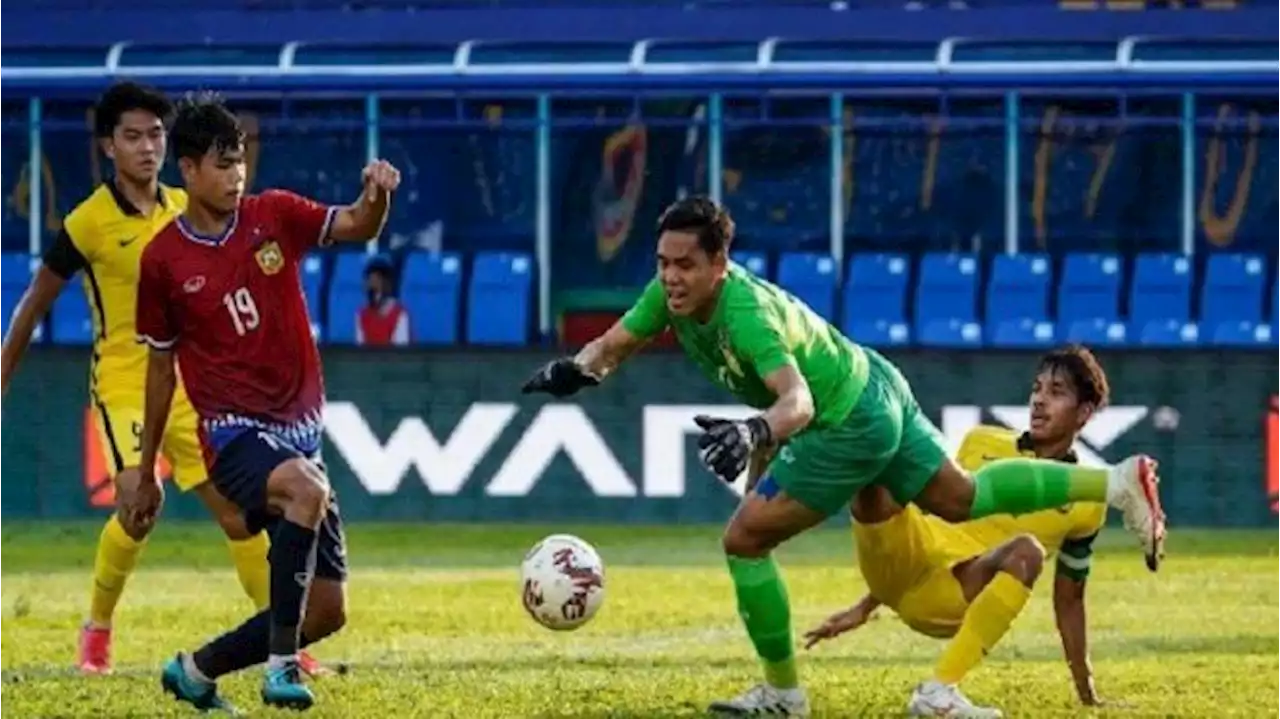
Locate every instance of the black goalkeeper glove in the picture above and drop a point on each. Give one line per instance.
(725, 445)
(559, 378)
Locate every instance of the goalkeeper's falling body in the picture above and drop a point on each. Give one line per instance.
(969, 581)
(840, 418)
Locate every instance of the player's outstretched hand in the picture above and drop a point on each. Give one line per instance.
(379, 176)
(839, 623)
(559, 378)
(726, 445)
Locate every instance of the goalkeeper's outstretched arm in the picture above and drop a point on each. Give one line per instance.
(604, 354)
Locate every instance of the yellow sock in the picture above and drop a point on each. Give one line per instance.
(250, 557)
(117, 556)
(986, 621)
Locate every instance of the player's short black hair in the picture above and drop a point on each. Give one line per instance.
(1087, 375)
(125, 97)
(701, 216)
(202, 123)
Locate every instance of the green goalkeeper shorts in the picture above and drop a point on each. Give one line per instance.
(885, 440)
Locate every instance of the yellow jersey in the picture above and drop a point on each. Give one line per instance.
(103, 237)
(897, 554)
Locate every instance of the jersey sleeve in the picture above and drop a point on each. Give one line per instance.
(155, 324)
(177, 198)
(304, 223)
(648, 316)
(984, 444)
(1076, 554)
(72, 248)
(757, 334)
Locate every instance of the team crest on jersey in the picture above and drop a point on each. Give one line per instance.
(270, 258)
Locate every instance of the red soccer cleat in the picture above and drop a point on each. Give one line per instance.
(95, 650)
(310, 665)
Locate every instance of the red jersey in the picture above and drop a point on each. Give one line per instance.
(386, 324)
(233, 309)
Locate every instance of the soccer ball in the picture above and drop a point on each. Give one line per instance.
(562, 580)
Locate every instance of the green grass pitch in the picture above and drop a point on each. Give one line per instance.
(436, 629)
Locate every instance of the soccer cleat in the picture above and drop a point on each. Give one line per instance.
(311, 666)
(1133, 488)
(283, 687)
(764, 700)
(202, 695)
(935, 699)
(95, 650)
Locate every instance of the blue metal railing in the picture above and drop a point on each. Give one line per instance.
(953, 68)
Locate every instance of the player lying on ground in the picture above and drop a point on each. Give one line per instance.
(220, 289)
(970, 581)
(104, 236)
(844, 416)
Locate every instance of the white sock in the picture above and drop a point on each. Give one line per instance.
(193, 671)
(280, 661)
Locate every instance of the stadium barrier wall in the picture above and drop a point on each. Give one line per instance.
(415, 436)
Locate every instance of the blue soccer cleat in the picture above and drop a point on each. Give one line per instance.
(200, 694)
(283, 687)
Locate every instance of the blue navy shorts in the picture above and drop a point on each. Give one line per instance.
(240, 472)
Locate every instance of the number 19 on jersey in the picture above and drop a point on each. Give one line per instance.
(244, 311)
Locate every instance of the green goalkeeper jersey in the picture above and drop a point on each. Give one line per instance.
(756, 329)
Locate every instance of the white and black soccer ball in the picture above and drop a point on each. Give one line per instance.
(562, 582)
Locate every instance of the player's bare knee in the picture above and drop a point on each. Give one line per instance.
(301, 492)
(739, 541)
(1024, 559)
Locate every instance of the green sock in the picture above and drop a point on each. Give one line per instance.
(1018, 486)
(763, 606)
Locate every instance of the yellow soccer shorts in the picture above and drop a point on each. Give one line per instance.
(119, 422)
(910, 559)
(935, 605)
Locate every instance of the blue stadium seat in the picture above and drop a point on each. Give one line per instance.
(811, 277)
(312, 271)
(431, 291)
(1275, 303)
(1018, 290)
(72, 323)
(346, 295)
(1022, 334)
(949, 333)
(15, 275)
(1097, 333)
(878, 333)
(1161, 292)
(1243, 333)
(1089, 288)
(757, 263)
(875, 298)
(1169, 333)
(947, 291)
(1232, 292)
(499, 298)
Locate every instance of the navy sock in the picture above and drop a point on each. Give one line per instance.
(240, 648)
(293, 561)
